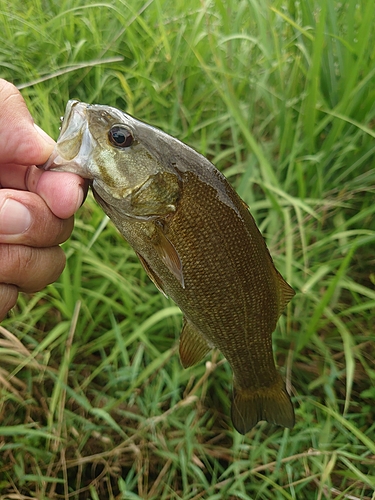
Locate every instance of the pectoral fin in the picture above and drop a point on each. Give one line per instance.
(193, 346)
(152, 275)
(169, 255)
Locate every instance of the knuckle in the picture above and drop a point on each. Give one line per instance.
(49, 230)
(30, 269)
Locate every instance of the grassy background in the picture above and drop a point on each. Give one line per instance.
(280, 96)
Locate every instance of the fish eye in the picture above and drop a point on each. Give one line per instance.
(120, 137)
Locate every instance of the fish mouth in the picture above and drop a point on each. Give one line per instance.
(75, 144)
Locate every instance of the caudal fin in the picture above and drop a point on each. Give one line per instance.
(272, 404)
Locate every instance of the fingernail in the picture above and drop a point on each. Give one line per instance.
(15, 218)
(43, 134)
(83, 192)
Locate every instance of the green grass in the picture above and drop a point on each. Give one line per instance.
(280, 96)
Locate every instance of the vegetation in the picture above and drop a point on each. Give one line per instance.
(280, 96)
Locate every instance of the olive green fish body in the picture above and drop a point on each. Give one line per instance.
(199, 244)
(233, 294)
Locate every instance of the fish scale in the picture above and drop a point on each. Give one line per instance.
(196, 240)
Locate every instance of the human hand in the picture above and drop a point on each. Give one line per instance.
(36, 207)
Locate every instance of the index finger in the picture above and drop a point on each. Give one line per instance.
(21, 141)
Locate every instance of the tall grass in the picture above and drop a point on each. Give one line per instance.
(280, 96)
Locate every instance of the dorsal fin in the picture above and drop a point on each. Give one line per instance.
(286, 292)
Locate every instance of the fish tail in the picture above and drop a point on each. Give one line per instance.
(272, 404)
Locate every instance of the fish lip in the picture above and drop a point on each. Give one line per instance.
(53, 162)
(74, 130)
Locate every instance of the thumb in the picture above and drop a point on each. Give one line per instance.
(22, 142)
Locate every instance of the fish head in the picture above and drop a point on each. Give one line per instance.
(122, 157)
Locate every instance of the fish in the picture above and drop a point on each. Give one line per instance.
(196, 240)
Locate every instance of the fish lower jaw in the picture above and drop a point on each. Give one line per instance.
(58, 163)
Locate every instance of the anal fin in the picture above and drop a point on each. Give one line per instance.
(193, 346)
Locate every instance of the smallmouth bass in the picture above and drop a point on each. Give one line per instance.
(197, 241)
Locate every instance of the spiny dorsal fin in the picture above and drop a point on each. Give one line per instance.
(193, 346)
